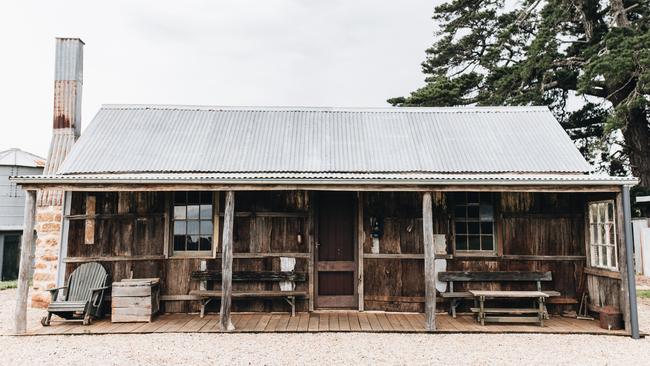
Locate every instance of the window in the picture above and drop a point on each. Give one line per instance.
(192, 223)
(474, 222)
(602, 235)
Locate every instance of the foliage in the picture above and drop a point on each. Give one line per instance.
(4, 285)
(588, 60)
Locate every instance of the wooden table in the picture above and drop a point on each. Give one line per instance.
(519, 313)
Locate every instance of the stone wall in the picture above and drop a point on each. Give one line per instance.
(46, 255)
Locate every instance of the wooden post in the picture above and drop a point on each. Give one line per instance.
(429, 262)
(360, 240)
(622, 265)
(311, 243)
(26, 259)
(226, 262)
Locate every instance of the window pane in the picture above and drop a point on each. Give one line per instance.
(601, 256)
(179, 242)
(180, 198)
(206, 227)
(472, 212)
(612, 234)
(601, 212)
(461, 228)
(460, 198)
(206, 212)
(193, 227)
(474, 242)
(473, 228)
(460, 212)
(179, 228)
(592, 213)
(473, 197)
(179, 212)
(594, 255)
(610, 211)
(486, 228)
(487, 242)
(461, 242)
(487, 213)
(205, 243)
(193, 212)
(612, 259)
(192, 242)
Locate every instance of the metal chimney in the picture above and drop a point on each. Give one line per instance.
(68, 81)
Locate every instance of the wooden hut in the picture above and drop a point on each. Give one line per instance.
(366, 201)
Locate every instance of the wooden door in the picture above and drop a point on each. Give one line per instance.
(336, 263)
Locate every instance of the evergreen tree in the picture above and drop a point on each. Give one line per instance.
(588, 60)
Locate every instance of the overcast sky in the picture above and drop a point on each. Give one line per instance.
(263, 52)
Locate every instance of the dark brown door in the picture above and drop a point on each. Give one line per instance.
(336, 264)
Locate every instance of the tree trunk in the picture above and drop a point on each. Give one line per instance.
(619, 14)
(637, 140)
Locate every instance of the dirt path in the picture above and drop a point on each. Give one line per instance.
(330, 349)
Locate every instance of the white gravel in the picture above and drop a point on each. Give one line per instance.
(323, 348)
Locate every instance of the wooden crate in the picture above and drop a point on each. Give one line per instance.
(135, 300)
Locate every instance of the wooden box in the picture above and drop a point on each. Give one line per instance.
(135, 300)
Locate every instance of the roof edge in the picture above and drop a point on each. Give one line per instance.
(327, 179)
(464, 109)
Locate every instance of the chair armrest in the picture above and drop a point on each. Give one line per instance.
(54, 292)
(95, 295)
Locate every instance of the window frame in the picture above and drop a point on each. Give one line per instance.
(199, 254)
(494, 252)
(593, 244)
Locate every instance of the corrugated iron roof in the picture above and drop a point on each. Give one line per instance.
(18, 157)
(152, 138)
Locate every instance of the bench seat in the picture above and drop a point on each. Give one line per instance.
(250, 294)
(467, 295)
(290, 296)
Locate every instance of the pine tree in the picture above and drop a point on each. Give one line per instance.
(588, 60)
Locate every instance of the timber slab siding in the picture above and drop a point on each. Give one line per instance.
(534, 231)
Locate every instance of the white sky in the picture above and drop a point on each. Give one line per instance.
(264, 52)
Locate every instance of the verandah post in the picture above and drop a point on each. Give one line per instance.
(226, 262)
(429, 262)
(26, 259)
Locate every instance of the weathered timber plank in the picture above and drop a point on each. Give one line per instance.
(226, 263)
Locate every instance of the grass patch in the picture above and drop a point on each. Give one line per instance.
(644, 294)
(8, 284)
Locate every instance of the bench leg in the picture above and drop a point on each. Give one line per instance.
(204, 303)
(541, 311)
(292, 302)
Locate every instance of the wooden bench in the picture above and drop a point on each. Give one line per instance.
(512, 276)
(514, 315)
(205, 296)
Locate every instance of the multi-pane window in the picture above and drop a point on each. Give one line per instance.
(474, 221)
(192, 222)
(602, 235)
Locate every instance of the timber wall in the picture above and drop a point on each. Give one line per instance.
(534, 232)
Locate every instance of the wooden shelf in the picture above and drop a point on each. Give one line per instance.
(113, 258)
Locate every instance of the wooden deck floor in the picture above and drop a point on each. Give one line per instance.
(338, 321)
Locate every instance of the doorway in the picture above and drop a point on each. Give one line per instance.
(336, 263)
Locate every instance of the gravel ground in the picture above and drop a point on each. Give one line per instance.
(324, 348)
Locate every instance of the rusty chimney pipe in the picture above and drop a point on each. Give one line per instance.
(68, 81)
